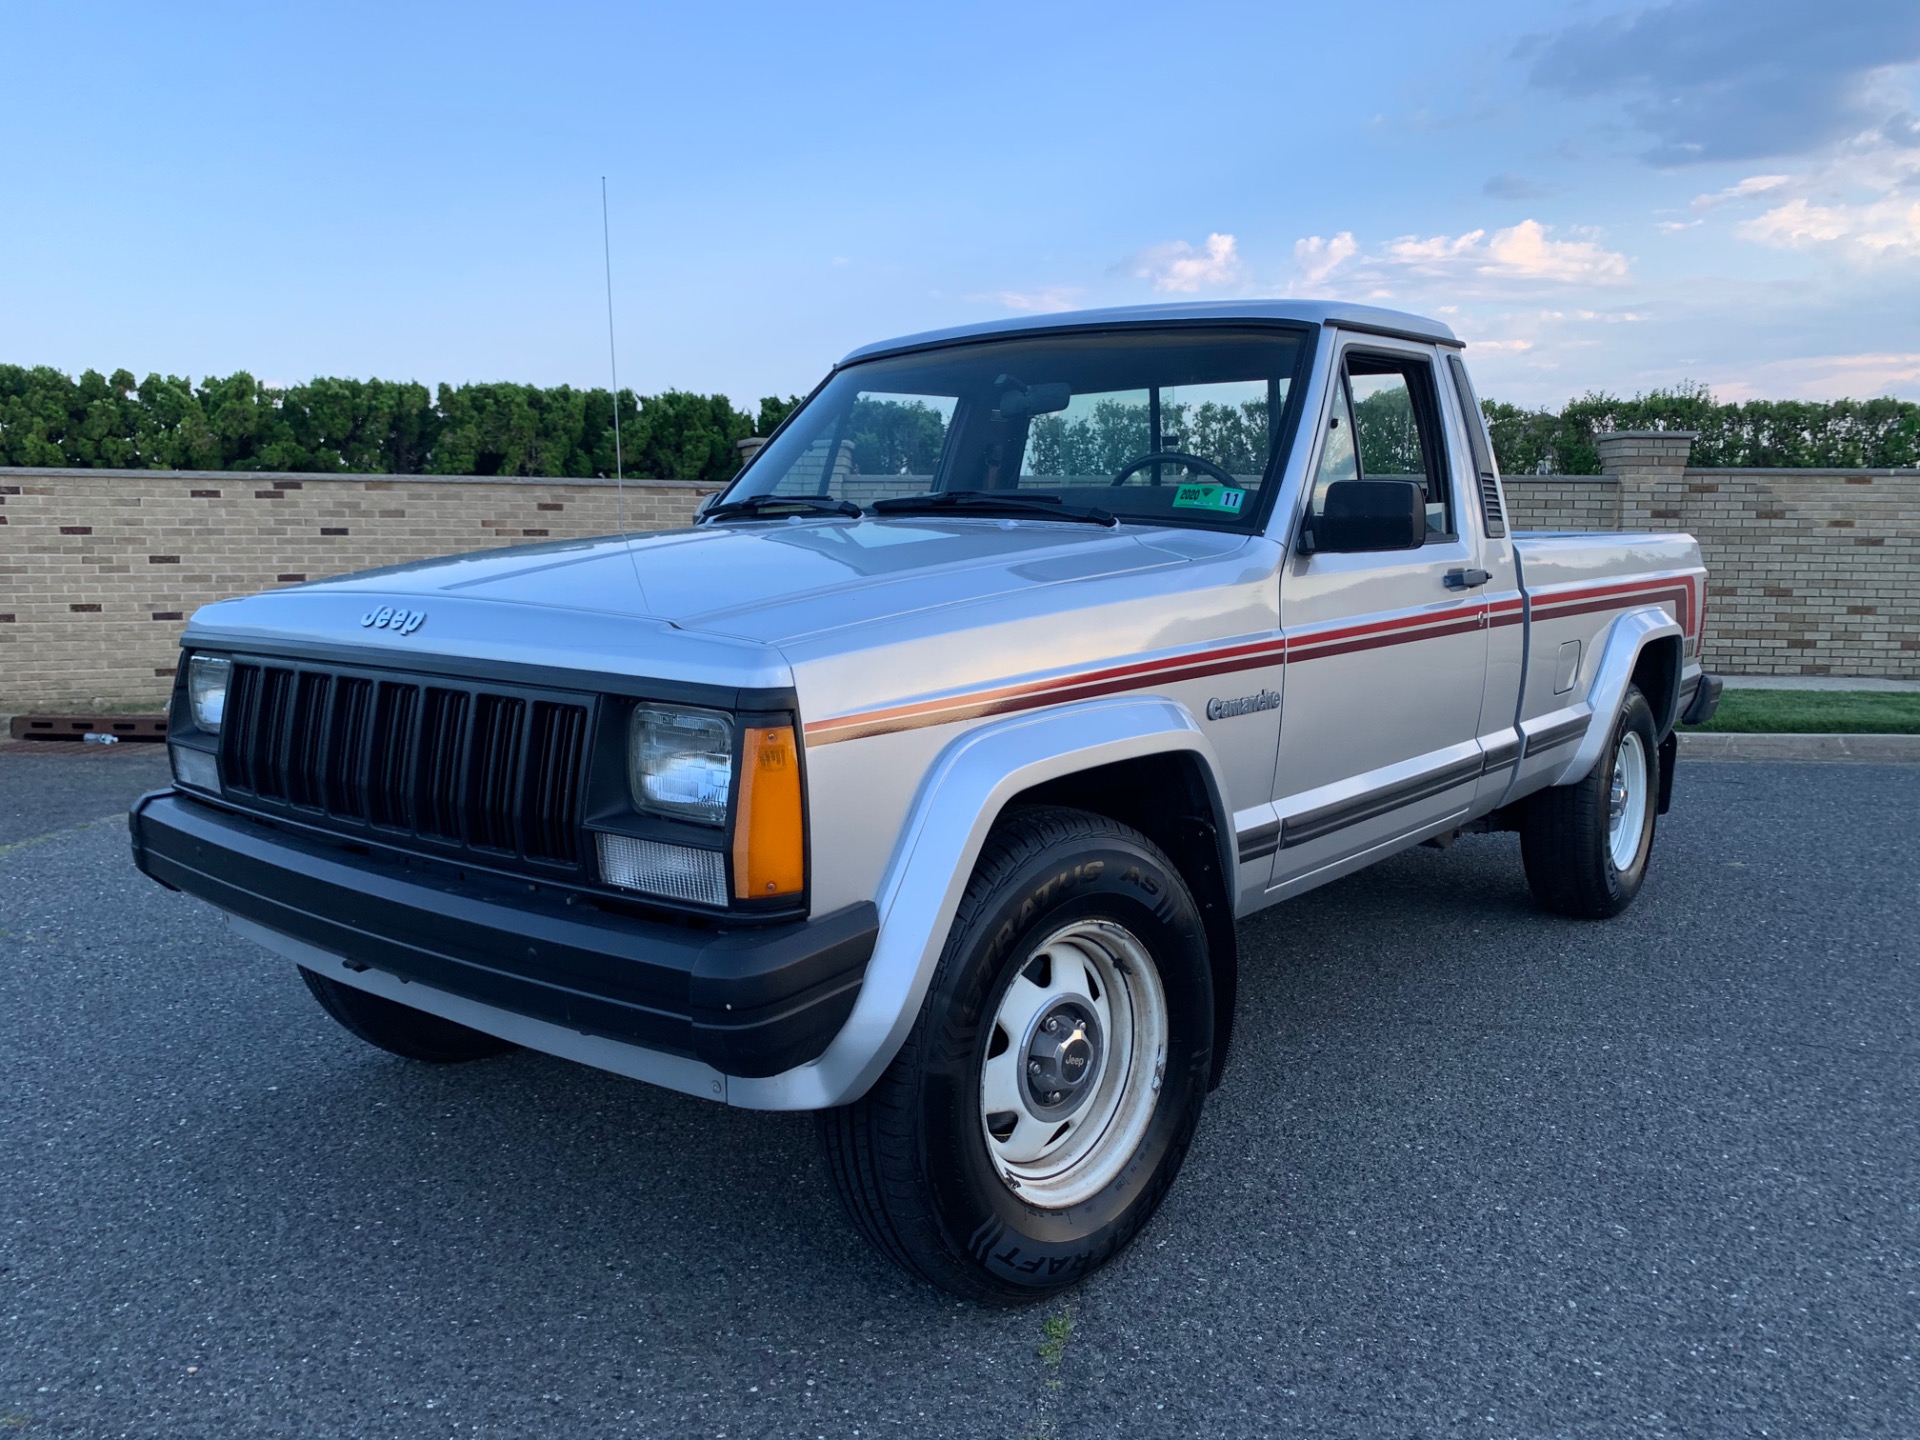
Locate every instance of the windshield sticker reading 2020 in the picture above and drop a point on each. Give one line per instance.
(1209, 497)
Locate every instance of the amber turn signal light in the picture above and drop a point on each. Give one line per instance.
(769, 841)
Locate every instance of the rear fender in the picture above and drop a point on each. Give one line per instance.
(957, 804)
(1631, 634)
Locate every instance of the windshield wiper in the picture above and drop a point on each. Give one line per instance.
(992, 502)
(769, 505)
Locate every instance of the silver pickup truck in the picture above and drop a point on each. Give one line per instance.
(922, 780)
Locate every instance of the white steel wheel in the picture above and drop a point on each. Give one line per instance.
(1587, 844)
(1075, 1058)
(1001, 1159)
(1627, 798)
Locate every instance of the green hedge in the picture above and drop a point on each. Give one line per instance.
(1784, 434)
(399, 427)
(367, 426)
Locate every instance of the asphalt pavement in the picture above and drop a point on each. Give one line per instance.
(1475, 1171)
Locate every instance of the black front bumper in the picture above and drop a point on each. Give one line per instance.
(749, 1001)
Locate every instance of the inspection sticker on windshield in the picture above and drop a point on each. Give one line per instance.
(1209, 497)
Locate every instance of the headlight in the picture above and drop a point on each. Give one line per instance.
(207, 690)
(680, 764)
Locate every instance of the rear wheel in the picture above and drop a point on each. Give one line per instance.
(1042, 1105)
(398, 1028)
(1586, 845)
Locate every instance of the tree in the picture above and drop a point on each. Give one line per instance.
(167, 422)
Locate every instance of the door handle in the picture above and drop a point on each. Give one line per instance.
(1467, 579)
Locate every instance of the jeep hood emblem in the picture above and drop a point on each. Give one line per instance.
(388, 618)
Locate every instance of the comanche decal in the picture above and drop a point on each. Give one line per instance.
(1218, 709)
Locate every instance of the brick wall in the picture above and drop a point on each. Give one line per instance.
(1813, 571)
(100, 568)
(1810, 572)
(1563, 502)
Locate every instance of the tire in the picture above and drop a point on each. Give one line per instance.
(1578, 860)
(951, 1165)
(400, 1029)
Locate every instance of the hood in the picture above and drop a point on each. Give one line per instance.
(778, 581)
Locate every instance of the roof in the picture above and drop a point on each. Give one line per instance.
(1312, 312)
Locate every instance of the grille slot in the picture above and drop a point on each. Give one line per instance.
(270, 753)
(346, 779)
(306, 736)
(460, 766)
(559, 747)
(494, 774)
(388, 800)
(442, 731)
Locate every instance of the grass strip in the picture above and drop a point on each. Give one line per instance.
(1815, 712)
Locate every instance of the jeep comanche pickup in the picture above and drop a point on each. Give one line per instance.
(921, 781)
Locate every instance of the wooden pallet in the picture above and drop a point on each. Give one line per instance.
(77, 726)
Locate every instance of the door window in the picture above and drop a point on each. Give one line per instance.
(1384, 426)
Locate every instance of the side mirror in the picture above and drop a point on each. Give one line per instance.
(707, 502)
(1372, 515)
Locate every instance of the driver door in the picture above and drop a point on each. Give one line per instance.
(1386, 650)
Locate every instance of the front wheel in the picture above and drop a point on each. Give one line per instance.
(1042, 1105)
(1586, 845)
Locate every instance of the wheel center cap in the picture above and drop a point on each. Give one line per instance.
(1063, 1058)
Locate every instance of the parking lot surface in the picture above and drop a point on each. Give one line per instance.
(1475, 1170)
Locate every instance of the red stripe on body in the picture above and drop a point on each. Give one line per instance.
(1034, 694)
(1248, 655)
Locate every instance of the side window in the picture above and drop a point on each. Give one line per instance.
(1385, 427)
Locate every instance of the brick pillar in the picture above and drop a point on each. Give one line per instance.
(1649, 470)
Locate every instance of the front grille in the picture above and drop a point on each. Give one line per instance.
(462, 767)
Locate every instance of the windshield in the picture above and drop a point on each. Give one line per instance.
(1167, 425)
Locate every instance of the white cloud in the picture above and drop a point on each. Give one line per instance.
(1319, 258)
(1887, 229)
(1431, 256)
(1050, 297)
(1501, 347)
(1674, 227)
(1525, 250)
(1856, 202)
(1747, 188)
(1177, 268)
(1520, 252)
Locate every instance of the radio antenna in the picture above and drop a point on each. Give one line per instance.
(613, 358)
(613, 368)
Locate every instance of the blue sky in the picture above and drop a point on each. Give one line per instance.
(1595, 195)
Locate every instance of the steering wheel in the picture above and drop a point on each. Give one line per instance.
(1174, 457)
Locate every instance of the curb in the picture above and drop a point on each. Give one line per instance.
(1832, 749)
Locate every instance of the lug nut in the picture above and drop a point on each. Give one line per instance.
(1033, 1067)
(1053, 1024)
(1053, 1097)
